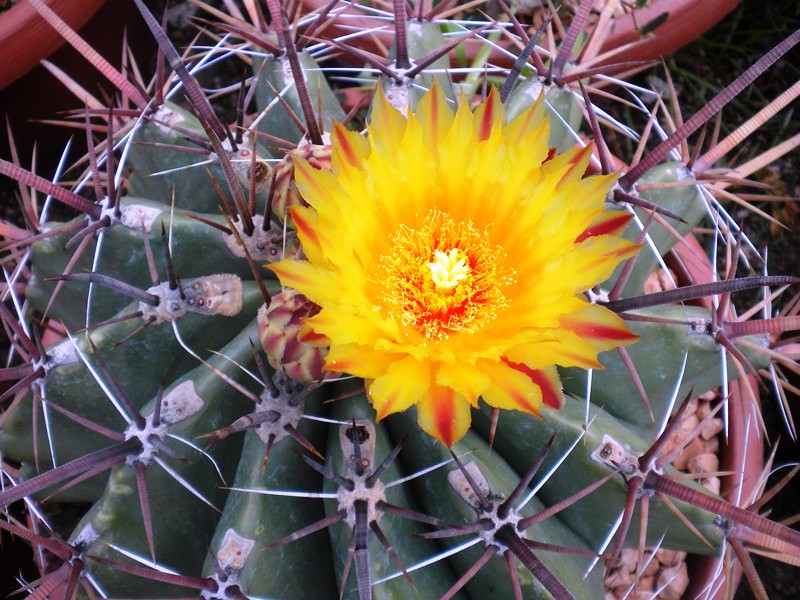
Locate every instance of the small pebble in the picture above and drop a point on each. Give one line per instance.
(688, 424)
(712, 484)
(652, 566)
(703, 410)
(667, 557)
(703, 463)
(619, 578)
(676, 580)
(712, 429)
(667, 568)
(694, 448)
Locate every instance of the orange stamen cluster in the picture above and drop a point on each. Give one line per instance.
(444, 277)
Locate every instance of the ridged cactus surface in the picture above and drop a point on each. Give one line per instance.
(385, 337)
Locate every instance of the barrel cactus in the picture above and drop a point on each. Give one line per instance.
(390, 334)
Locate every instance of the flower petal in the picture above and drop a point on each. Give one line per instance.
(548, 381)
(306, 221)
(600, 327)
(302, 276)
(511, 389)
(569, 351)
(358, 360)
(348, 147)
(342, 326)
(530, 123)
(464, 378)
(434, 116)
(404, 383)
(444, 413)
(488, 115)
(609, 222)
(387, 126)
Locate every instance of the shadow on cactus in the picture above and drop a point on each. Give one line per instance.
(424, 359)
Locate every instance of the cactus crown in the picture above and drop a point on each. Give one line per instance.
(293, 357)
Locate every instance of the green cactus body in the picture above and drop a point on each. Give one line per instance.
(258, 486)
(681, 196)
(525, 437)
(681, 350)
(122, 253)
(195, 401)
(561, 104)
(277, 95)
(401, 533)
(436, 491)
(171, 175)
(290, 570)
(72, 386)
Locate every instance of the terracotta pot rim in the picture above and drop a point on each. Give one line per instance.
(26, 38)
(686, 21)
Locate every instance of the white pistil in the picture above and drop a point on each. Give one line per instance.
(448, 269)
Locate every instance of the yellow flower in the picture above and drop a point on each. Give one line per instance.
(450, 253)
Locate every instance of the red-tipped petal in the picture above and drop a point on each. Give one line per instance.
(548, 381)
(305, 221)
(607, 223)
(487, 114)
(349, 146)
(599, 326)
(511, 389)
(444, 414)
(404, 384)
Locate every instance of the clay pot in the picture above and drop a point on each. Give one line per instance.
(683, 22)
(26, 38)
(686, 20)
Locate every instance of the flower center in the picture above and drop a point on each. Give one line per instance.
(443, 277)
(448, 270)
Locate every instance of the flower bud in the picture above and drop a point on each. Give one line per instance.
(285, 192)
(290, 344)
